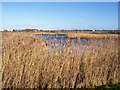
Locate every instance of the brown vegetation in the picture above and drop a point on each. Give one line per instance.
(27, 63)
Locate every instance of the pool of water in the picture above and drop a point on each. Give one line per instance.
(57, 42)
(54, 40)
(61, 37)
(53, 36)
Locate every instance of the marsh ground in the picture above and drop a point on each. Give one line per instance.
(27, 63)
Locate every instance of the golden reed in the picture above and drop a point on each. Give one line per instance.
(27, 63)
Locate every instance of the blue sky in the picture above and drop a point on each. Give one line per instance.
(60, 0)
(60, 15)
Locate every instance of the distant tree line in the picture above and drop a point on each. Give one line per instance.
(25, 30)
(63, 30)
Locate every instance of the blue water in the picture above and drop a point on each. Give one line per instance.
(53, 36)
(62, 40)
(57, 42)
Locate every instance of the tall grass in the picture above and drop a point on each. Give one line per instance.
(0, 60)
(27, 63)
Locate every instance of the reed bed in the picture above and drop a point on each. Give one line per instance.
(0, 60)
(90, 35)
(27, 63)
